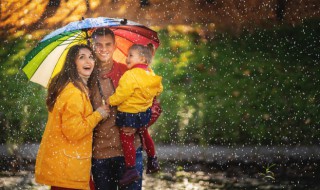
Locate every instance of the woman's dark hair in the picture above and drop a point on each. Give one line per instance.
(67, 74)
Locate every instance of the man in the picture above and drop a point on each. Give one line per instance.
(108, 162)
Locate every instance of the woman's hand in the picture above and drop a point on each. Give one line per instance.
(104, 111)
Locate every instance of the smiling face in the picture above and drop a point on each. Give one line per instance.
(84, 62)
(104, 47)
(134, 58)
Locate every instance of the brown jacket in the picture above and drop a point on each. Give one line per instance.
(106, 137)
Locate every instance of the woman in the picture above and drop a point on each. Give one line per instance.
(64, 157)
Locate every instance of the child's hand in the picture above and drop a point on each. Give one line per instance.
(128, 130)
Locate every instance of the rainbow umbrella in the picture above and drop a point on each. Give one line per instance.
(47, 58)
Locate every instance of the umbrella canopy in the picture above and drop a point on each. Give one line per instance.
(47, 58)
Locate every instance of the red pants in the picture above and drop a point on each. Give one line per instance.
(129, 150)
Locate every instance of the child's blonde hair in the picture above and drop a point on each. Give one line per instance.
(145, 51)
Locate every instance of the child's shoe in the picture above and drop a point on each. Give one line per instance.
(129, 176)
(152, 165)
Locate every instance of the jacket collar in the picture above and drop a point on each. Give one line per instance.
(141, 66)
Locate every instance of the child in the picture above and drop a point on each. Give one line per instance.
(134, 96)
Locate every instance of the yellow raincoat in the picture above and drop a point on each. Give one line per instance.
(64, 156)
(136, 90)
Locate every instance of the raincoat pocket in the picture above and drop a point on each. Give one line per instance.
(77, 167)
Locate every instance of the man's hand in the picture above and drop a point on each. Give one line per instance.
(128, 130)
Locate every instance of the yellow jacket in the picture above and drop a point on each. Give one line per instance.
(64, 156)
(136, 90)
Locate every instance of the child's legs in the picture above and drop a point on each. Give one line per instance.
(129, 151)
(150, 150)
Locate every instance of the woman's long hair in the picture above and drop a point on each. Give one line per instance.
(67, 74)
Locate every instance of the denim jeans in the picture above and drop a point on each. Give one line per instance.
(107, 172)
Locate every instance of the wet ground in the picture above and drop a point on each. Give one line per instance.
(203, 176)
(198, 168)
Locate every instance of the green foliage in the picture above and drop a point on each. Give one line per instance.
(258, 88)
(268, 174)
(22, 108)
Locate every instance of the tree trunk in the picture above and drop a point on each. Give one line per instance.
(281, 5)
(144, 3)
(54, 3)
(88, 6)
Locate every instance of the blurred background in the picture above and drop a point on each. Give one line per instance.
(241, 100)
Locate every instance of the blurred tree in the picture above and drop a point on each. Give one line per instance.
(54, 3)
(88, 6)
(21, 102)
(258, 88)
(49, 11)
(3, 127)
(280, 9)
(144, 3)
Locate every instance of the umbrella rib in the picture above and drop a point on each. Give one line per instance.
(74, 40)
(35, 53)
(155, 41)
(145, 28)
(51, 72)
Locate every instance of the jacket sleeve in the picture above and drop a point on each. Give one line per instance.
(124, 90)
(75, 124)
